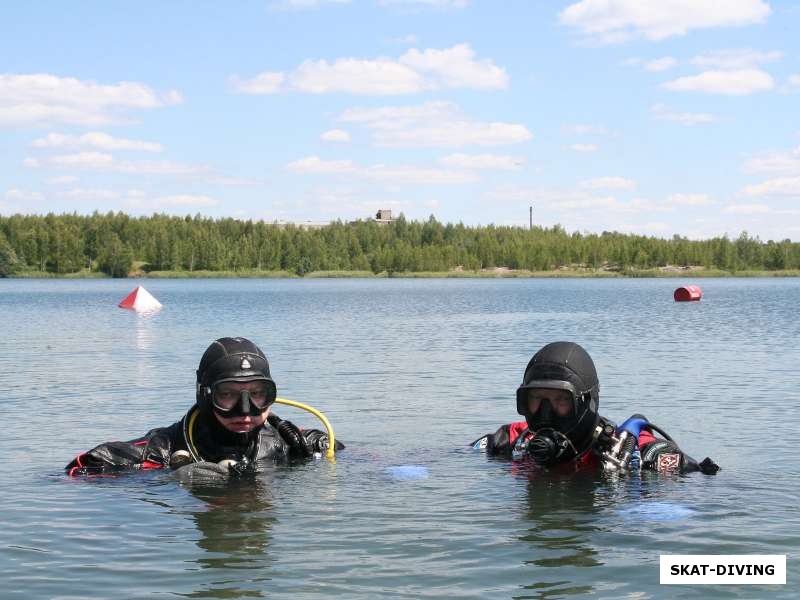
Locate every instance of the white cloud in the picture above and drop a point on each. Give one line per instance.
(660, 64)
(730, 83)
(380, 172)
(781, 186)
(482, 161)
(413, 174)
(735, 59)
(99, 161)
(571, 200)
(608, 183)
(413, 72)
(102, 161)
(456, 67)
(775, 162)
(42, 98)
(88, 194)
(94, 139)
(746, 209)
(335, 135)
(454, 135)
(23, 196)
(584, 148)
(662, 113)
(584, 129)
(609, 21)
(62, 180)
(794, 80)
(268, 82)
(689, 200)
(653, 65)
(314, 164)
(32, 163)
(432, 125)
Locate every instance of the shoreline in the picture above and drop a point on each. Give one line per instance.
(497, 273)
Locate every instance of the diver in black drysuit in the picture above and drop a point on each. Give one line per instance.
(559, 398)
(227, 431)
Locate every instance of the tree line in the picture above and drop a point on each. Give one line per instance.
(110, 243)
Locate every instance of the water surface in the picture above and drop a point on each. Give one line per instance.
(409, 372)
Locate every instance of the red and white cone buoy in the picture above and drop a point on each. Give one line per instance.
(140, 300)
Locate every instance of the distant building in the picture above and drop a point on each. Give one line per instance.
(384, 216)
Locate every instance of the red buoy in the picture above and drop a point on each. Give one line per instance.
(140, 299)
(688, 293)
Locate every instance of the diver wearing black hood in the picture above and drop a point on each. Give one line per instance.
(229, 427)
(560, 398)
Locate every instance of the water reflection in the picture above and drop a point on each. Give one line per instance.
(563, 511)
(235, 524)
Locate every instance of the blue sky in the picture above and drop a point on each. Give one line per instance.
(658, 117)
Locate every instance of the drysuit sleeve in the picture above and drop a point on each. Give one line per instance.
(501, 442)
(151, 451)
(665, 456)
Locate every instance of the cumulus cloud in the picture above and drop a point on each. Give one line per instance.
(41, 98)
(735, 59)
(571, 200)
(88, 194)
(584, 148)
(746, 209)
(105, 162)
(140, 200)
(775, 162)
(608, 183)
(413, 72)
(432, 125)
(62, 180)
(607, 21)
(94, 139)
(263, 83)
(482, 161)
(740, 82)
(380, 172)
(314, 164)
(662, 113)
(584, 129)
(654, 65)
(689, 200)
(781, 186)
(335, 135)
(18, 195)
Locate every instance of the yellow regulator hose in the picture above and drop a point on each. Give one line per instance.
(329, 453)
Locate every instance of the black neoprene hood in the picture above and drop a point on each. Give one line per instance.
(231, 359)
(564, 366)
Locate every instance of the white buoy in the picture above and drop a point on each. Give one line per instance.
(140, 300)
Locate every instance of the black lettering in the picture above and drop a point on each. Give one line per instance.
(770, 569)
(685, 570)
(720, 569)
(741, 569)
(674, 570)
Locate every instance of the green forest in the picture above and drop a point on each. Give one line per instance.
(114, 244)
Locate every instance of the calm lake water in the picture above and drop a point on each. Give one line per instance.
(408, 372)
